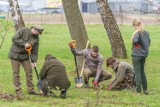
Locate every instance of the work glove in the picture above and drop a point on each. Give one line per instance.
(39, 85)
(70, 45)
(95, 83)
(137, 46)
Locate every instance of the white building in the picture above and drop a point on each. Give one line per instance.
(90, 6)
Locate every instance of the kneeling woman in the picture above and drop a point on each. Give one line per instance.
(124, 72)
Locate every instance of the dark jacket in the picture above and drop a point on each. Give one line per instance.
(124, 74)
(143, 40)
(21, 37)
(53, 73)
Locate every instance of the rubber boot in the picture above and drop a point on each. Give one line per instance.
(63, 94)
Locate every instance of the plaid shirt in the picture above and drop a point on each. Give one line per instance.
(92, 62)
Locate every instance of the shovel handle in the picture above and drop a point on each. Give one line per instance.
(36, 72)
(76, 66)
(84, 61)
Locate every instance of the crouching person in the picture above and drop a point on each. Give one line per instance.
(52, 75)
(93, 66)
(124, 74)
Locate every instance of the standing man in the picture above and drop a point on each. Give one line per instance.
(124, 72)
(24, 38)
(52, 75)
(140, 50)
(93, 65)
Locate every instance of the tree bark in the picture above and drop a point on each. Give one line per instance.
(114, 34)
(76, 26)
(16, 14)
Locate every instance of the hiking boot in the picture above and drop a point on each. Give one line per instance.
(33, 93)
(63, 94)
(145, 92)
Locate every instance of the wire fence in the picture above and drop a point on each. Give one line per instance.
(124, 12)
(121, 18)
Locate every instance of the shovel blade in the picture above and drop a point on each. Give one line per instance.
(78, 82)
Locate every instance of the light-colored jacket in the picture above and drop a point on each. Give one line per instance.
(92, 62)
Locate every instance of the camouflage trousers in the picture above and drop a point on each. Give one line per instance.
(127, 83)
(91, 72)
(16, 77)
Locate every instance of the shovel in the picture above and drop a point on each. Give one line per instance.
(31, 59)
(78, 79)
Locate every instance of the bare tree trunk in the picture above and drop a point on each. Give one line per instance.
(114, 34)
(16, 14)
(76, 26)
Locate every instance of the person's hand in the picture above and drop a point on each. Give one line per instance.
(95, 83)
(72, 48)
(70, 45)
(27, 45)
(33, 64)
(109, 87)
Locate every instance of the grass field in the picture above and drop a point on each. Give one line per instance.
(55, 41)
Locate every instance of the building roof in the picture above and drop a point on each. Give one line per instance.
(87, 1)
(126, 0)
